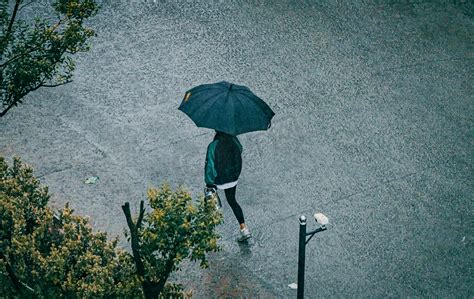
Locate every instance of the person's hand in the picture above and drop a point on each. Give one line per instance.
(209, 191)
(210, 187)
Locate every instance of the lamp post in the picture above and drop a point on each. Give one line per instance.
(321, 219)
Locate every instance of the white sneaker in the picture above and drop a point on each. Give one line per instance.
(244, 235)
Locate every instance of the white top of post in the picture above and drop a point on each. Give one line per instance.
(303, 220)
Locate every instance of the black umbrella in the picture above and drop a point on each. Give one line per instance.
(226, 107)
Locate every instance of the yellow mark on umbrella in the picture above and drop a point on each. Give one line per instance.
(186, 97)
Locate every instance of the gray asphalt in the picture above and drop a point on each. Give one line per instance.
(373, 127)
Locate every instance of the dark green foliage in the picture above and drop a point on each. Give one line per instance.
(174, 230)
(47, 254)
(39, 54)
(54, 256)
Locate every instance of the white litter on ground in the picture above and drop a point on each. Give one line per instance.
(293, 286)
(91, 180)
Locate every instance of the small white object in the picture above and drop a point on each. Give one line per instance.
(91, 180)
(293, 286)
(321, 218)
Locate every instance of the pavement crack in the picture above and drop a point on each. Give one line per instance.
(55, 171)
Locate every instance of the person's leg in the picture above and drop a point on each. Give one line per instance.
(244, 231)
(230, 196)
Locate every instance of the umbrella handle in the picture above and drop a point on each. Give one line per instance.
(212, 193)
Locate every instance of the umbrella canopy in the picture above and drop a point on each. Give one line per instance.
(226, 107)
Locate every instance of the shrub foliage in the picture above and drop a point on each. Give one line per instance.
(46, 253)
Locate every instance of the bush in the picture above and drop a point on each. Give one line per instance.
(57, 254)
(174, 230)
(54, 255)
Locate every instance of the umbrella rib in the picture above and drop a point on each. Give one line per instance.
(202, 105)
(240, 104)
(233, 108)
(210, 110)
(252, 99)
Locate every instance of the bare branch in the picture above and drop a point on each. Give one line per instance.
(54, 85)
(58, 23)
(12, 20)
(19, 97)
(140, 216)
(22, 283)
(22, 54)
(25, 5)
(40, 84)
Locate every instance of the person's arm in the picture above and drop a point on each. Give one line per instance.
(210, 172)
(238, 143)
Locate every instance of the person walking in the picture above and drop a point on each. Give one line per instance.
(222, 170)
(229, 109)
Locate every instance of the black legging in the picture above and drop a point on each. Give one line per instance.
(230, 196)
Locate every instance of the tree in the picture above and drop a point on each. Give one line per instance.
(49, 254)
(40, 54)
(174, 230)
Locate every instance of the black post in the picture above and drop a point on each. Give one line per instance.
(301, 257)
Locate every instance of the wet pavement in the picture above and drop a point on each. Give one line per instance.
(373, 127)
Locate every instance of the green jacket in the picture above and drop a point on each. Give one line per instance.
(223, 161)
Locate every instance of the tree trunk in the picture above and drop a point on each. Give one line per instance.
(151, 289)
(12, 20)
